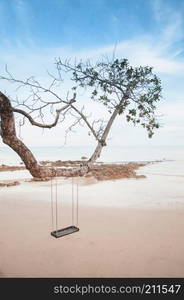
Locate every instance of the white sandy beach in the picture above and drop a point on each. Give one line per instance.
(128, 227)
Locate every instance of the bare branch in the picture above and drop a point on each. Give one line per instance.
(33, 122)
(31, 82)
(86, 121)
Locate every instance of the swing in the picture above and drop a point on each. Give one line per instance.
(57, 233)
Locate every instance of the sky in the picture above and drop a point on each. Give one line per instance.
(147, 32)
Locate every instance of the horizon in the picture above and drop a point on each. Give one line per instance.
(114, 154)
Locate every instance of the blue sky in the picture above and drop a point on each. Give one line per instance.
(147, 32)
(75, 23)
(84, 23)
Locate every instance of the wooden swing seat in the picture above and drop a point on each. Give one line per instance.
(64, 231)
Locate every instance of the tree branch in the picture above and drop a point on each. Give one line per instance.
(86, 121)
(33, 122)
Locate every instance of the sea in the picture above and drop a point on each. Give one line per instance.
(109, 154)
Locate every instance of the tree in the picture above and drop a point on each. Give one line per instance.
(121, 88)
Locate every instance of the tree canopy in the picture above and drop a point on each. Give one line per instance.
(135, 91)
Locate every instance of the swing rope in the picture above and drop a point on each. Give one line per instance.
(52, 205)
(77, 208)
(72, 202)
(56, 205)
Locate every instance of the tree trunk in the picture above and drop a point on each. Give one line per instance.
(9, 137)
(102, 142)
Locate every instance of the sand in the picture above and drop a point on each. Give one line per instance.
(128, 239)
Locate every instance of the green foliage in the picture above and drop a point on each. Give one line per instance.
(133, 91)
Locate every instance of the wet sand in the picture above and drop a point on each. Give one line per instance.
(123, 240)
